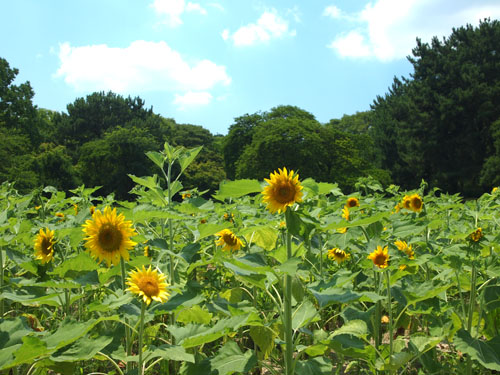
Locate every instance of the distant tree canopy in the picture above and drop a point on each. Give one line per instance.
(441, 124)
(289, 136)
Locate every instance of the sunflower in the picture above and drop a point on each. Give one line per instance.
(407, 202)
(352, 202)
(338, 255)
(44, 245)
(476, 235)
(380, 257)
(403, 246)
(148, 284)
(345, 213)
(228, 240)
(416, 203)
(284, 190)
(108, 236)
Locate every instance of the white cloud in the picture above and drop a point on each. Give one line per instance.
(332, 11)
(390, 27)
(352, 44)
(269, 26)
(142, 66)
(173, 9)
(192, 99)
(225, 34)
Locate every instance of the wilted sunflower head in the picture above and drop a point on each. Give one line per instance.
(338, 255)
(108, 236)
(352, 202)
(416, 203)
(148, 284)
(228, 240)
(380, 257)
(44, 245)
(284, 190)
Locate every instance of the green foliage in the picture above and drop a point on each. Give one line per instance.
(106, 162)
(438, 124)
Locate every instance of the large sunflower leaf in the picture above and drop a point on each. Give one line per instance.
(236, 189)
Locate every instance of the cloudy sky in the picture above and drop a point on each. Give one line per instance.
(207, 62)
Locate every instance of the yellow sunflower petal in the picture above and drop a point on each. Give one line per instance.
(108, 236)
(284, 190)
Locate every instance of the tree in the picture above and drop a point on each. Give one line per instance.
(107, 162)
(436, 125)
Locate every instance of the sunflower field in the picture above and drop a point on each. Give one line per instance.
(283, 276)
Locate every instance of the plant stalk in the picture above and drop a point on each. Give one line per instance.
(288, 312)
(141, 333)
(127, 329)
(389, 307)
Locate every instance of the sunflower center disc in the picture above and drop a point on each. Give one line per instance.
(380, 259)
(46, 246)
(110, 238)
(285, 194)
(149, 288)
(228, 239)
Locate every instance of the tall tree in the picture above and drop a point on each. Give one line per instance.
(439, 120)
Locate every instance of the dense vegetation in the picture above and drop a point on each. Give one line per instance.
(442, 124)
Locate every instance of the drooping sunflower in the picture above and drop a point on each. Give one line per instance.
(149, 284)
(476, 235)
(352, 202)
(407, 202)
(44, 245)
(228, 240)
(380, 257)
(338, 255)
(345, 213)
(284, 190)
(416, 203)
(403, 246)
(108, 236)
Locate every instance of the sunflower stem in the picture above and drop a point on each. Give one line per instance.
(288, 308)
(472, 302)
(1, 282)
(141, 332)
(127, 329)
(389, 307)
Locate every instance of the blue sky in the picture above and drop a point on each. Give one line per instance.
(207, 62)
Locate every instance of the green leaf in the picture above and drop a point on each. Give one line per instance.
(314, 366)
(236, 189)
(156, 157)
(170, 352)
(69, 331)
(194, 314)
(83, 349)
(304, 314)
(335, 295)
(194, 335)
(356, 223)
(80, 263)
(487, 353)
(208, 229)
(264, 338)
(230, 359)
(187, 157)
(356, 328)
(264, 236)
(290, 266)
(31, 349)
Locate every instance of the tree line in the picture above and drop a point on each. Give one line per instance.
(441, 124)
